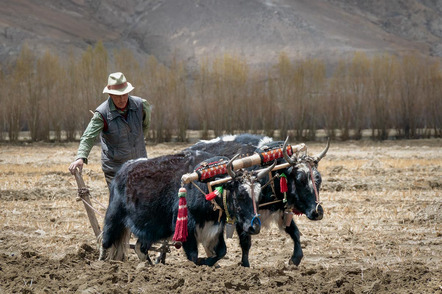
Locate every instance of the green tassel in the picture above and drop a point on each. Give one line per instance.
(182, 193)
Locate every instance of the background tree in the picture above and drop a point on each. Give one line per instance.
(359, 78)
(340, 89)
(71, 101)
(230, 75)
(329, 112)
(158, 81)
(125, 62)
(202, 101)
(92, 75)
(410, 83)
(3, 110)
(25, 96)
(261, 107)
(220, 104)
(309, 82)
(432, 98)
(282, 88)
(179, 98)
(50, 96)
(47, 95)
(383, 74)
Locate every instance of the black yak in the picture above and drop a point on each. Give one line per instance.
(144, 201)
(294, 189)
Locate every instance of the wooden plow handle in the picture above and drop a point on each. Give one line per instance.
(83, 193)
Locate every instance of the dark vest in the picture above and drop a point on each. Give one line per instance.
(121, 139)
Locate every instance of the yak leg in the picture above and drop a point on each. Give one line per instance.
(161, 258)
(114, 234)
(294, 233)
(191, 248)
(141, 255)
(220, 250)
(142, 250)
(209, 251)
(163, 252)
(245, 241)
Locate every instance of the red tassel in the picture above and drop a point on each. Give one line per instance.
(283, 186)
(283, 183)
(181, 222)
(218, 191)
(210, 196)
(297, 212)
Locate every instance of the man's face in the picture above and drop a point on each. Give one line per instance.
(120, 101)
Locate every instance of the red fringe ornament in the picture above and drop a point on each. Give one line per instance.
(283, 185)
(218, 191)
(181, 221)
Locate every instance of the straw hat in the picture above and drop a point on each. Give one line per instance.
(117, 84)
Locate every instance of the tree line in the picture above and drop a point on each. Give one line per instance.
(51, 97)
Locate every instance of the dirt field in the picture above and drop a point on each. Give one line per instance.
(381, 233)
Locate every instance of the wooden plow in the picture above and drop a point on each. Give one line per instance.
(83, 193)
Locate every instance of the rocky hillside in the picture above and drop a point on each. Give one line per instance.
(192, 29)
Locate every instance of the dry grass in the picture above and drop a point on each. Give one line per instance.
(382, 202)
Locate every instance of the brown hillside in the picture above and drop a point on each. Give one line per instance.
(258, 30)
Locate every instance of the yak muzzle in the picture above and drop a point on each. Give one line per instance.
(315, 214)
(255, 226)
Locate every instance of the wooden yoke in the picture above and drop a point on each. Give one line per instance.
(244, 162)
(83, 193)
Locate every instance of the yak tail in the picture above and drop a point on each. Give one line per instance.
(118, 250)
(100, 247)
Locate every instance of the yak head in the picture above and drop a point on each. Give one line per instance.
(244, 190)
(304, 183)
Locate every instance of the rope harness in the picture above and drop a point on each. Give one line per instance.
(82, 192)
(215, 205)
(271, 182)
(318, 202)
(255, 210)
(229, 219)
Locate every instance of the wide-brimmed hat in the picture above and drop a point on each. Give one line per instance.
(117, 84)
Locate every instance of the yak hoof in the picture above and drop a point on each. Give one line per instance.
(295, 261)
(142, 256)
(201, 261)
(161, 258)
(102, 253)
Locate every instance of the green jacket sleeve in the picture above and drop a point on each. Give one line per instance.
(89, 136)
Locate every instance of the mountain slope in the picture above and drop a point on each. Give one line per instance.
(192, 29)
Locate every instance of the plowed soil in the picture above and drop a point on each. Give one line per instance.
(381, 232)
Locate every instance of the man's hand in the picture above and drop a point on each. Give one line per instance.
(76, 164)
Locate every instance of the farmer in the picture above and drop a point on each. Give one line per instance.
(122, 121)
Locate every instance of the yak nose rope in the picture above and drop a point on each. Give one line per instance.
(256, 217)
(318, 202)
(255, 210)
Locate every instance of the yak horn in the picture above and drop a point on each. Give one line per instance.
(229, 168)
(284, 153)
(323, 152)
(264, 172)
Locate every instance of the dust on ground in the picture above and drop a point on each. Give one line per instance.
(381, 231)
